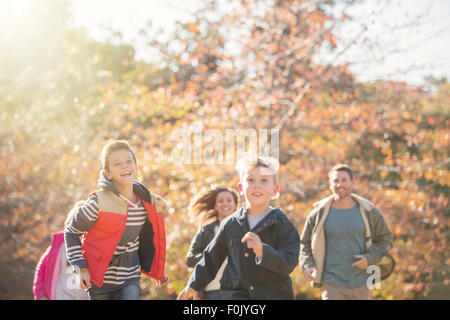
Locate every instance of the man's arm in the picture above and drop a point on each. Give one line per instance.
(306, 259)
(381, 237)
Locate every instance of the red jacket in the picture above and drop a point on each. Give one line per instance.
(101, 241)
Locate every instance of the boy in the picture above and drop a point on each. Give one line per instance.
(122, 231)
(261, 244)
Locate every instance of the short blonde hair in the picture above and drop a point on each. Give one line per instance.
(253, 160)
(113, 146)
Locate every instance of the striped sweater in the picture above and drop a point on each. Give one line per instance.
(124, 265)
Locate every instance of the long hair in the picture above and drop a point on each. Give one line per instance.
(201, 208)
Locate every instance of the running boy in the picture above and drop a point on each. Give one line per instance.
(261, 244)
(122, 231)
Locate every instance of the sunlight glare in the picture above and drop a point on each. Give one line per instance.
(16, 7)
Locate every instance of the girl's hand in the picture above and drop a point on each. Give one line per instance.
(184, 295)
(83, 277)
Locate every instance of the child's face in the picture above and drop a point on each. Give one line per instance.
(225, 204)
(258, 186)
(122, 168)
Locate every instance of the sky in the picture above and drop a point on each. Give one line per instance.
(409, 53)
(405, 54)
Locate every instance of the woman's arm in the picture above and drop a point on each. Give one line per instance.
(198, 244)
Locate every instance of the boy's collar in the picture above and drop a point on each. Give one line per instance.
(242, 214)
(265, 212)
(139, 189)
(105, 183)
(243, 221)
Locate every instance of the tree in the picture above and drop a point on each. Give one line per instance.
(239, 65)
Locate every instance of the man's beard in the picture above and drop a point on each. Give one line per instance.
(343, 193)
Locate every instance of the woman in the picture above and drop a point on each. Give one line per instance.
(209, 208)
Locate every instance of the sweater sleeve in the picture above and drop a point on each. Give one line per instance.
(381, 238)
(196, 248)
(83, 219)
(306, 259)
(39, 277)
(213, 257)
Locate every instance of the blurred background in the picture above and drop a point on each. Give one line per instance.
(359, 82)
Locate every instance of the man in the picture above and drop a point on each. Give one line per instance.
(343, 235)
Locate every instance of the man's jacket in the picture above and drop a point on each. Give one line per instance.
(378, 238)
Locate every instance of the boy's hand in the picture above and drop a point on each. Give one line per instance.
(253, 242)
(83, 277)
(362, 263)
(159, 284)
(184, 295)
(310, 274)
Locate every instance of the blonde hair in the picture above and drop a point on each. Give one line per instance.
(113, 146)
(201, 208)
(252, 160)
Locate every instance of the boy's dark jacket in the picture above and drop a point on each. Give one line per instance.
(244, 277)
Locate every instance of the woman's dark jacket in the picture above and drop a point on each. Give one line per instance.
(201, 239)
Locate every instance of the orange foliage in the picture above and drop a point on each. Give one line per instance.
(55, 123)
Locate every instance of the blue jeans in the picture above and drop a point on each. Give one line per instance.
(127, 292)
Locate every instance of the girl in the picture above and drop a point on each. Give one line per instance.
(54, 278)
(210, 208)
